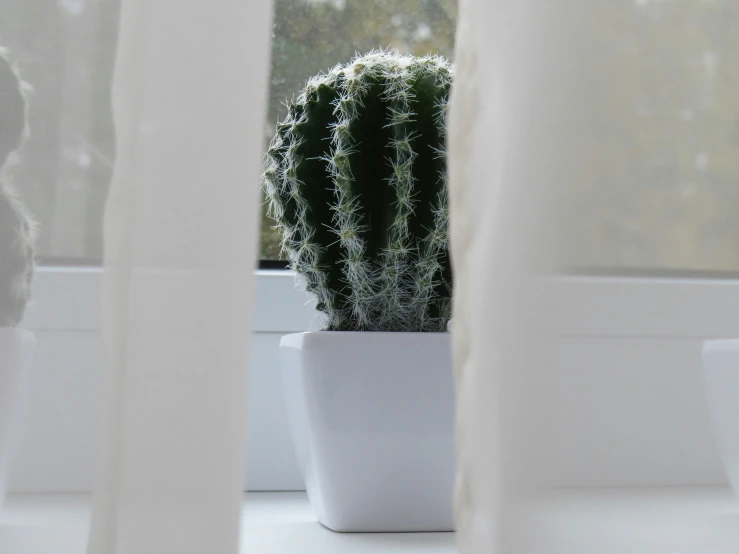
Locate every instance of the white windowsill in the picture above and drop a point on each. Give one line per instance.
(651, 521)
(275, 523)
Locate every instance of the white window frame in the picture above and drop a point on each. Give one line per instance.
(68, 299)
(61, 435)
(635, 339)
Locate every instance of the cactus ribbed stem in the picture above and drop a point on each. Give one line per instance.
(356, 178)
(16, 258)
(16, 227)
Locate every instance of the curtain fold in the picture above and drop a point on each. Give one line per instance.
(477, 504)
(510, 123)
(181, 230)
(575, 125)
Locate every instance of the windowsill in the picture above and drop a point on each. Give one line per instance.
(278, 523)
(576, 521)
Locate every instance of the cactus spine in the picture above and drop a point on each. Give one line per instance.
(16, 227)
(356, 179)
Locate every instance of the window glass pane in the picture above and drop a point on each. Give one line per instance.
(66, 51)
(662, 152)
(664, 192)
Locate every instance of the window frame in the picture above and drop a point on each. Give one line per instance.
(657, 321)
(59, 445)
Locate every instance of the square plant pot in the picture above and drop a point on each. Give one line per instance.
(16, 360)
(372, 416)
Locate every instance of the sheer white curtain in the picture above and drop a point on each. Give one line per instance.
(473, 108)
(598, 98)
(512, 123)
(181, 247)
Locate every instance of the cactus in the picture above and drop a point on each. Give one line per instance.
(16, 226)
(356, 180)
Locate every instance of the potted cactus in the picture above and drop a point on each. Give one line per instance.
(356, 180)
(16, 270)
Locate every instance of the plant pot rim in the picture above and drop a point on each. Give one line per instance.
(720, 345)
(308, 338)
(390, 333)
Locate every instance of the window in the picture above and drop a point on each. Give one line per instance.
(662, 197)
(66, 166)
(661, 156)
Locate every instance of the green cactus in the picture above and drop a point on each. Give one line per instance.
(356, 180)
(17, 231)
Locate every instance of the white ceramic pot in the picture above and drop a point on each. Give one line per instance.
(372, 416)
(16, 359)
(721, 378)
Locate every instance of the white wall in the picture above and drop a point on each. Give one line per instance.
(59, 448)
(624, 377)
(630, 411)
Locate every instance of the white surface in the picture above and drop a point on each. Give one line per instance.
(16, 367)
(626, 411)
(643, 521)
(373, 417)
(721, 377)
(619, 521)
(273, 523)
(58, 449)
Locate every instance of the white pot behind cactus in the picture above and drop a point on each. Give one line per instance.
(17, 347)
(356, 177)
(721, 382)
(16, 272)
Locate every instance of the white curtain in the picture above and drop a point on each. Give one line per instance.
(502, 151)
(479, 473)
(180, 251)
(550, 98)
(519, 114)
